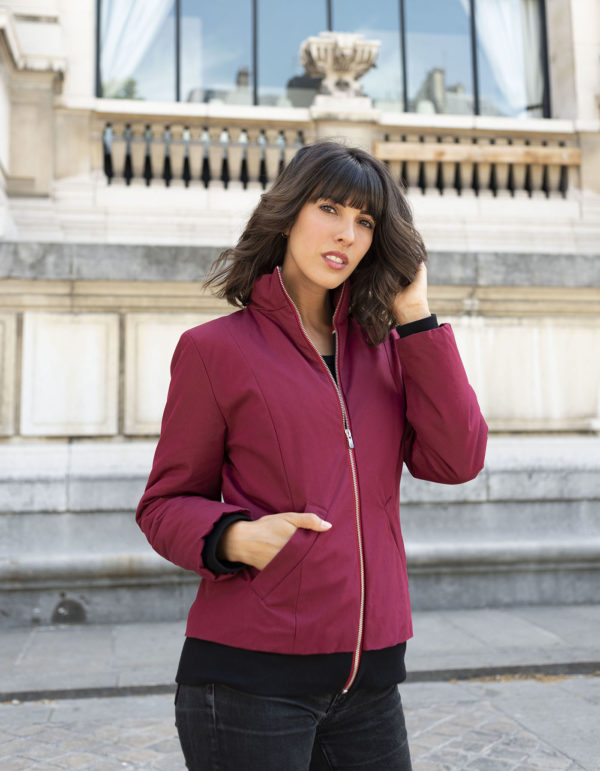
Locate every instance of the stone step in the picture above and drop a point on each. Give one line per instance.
(527, 530)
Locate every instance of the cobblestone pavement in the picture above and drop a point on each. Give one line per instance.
(550, 725)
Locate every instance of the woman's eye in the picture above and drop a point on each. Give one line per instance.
(327, 207)
(369, 223)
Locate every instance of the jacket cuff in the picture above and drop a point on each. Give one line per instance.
(211, 542)
(421, 325)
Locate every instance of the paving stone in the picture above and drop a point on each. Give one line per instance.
(489, 764)
(13, 763)
(447, 731)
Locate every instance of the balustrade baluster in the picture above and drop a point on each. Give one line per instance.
(502, 171)
(177, 153)
(262, 175)
(167, 173)
(118, 150)
(157, 150)
(412, 169)
(128, 167)
(431, 169)
(536, 179)
(273, 154)
(448, 171)
(553, 177)
(465, 171)
(108, 136)
(195, 153)
(484, 170)
(186, 171)
(215, 156)
(253, 158)
(205, 144)
(519, 173)
(138, 151)
(292, 144)
(235, 155)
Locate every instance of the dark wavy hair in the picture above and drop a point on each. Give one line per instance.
(347, 176)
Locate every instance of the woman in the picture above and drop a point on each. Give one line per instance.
(276, 475)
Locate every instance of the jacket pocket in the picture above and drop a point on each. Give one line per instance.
(287, 559)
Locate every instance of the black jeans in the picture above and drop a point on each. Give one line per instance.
(223, 729)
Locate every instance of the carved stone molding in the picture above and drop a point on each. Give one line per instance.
(339, 58)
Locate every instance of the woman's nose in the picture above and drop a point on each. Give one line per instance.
(346, 232)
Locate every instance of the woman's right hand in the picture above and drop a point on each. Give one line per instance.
(257, 542)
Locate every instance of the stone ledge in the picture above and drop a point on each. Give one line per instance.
(46, 571)
(505, 555)
(571, 304)
(127, 262)
(110, 476)
(93, 569)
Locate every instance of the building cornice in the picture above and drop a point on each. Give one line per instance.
(22, 60)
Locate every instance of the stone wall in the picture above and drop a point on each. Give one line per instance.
(97, 281)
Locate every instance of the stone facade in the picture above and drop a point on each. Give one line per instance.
(97, 281)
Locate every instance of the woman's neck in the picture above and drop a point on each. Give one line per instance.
(314, 306)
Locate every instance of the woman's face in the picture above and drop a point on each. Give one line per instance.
(326, 243)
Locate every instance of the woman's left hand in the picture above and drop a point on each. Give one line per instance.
(410, 303)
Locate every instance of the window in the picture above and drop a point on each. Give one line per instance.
(216, 51)
(137, 49)
(383, 83)
(482, 57)
(438, 52)
(281, 29)
(509, 57)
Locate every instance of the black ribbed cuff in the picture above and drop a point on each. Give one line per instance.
(211, 542)
(421, 325)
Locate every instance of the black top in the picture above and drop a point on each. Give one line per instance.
(277, 673)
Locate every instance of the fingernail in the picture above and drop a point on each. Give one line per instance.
(325, 524)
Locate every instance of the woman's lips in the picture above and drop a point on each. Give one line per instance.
(335, 260)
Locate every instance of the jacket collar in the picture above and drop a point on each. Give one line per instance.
(270, 296)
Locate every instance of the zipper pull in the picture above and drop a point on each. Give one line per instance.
(349, 438)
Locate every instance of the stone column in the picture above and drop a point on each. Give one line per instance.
(574, 53)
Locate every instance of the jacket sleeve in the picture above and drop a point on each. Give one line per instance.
(182, 499)
(446, 435)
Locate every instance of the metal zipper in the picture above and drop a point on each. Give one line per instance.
(350, 442)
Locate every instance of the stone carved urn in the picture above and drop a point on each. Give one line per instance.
(339, 58)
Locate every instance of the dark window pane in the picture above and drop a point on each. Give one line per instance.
(137, 49)
(509, 57)
(216, 51)
(383, 83)
(440, 74)
(282, 28)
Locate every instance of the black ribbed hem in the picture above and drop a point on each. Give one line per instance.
(272, 674)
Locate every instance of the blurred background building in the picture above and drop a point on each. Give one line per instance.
(136, 136)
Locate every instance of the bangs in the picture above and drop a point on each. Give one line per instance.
(348, 182)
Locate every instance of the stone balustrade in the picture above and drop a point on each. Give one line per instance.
(428, 155)
(456, 162)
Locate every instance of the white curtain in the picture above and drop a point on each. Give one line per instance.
(532, 44)
(509, 32)
(128, 29)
